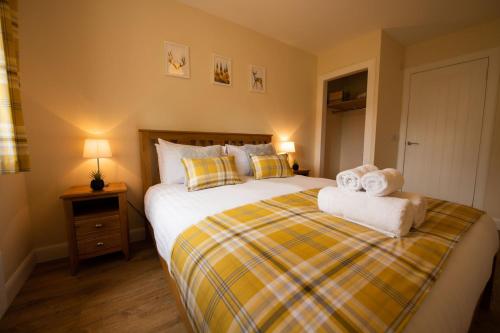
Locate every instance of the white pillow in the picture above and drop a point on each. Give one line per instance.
(242, 155)
(161, 164)
(241, 159)
(170, 155)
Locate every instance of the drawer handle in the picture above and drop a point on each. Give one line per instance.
(99, 244)
(98, 225)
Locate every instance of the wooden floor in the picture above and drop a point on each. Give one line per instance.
(108, 294)
(112, 295)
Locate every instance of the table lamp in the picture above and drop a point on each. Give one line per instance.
(287, 147)
(96, 148)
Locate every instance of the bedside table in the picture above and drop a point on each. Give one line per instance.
(96, 222)
(301, 172)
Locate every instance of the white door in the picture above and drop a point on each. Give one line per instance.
(445, 119)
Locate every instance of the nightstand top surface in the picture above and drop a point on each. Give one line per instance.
(83, 191)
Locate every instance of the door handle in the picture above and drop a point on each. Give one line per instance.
(410, 143)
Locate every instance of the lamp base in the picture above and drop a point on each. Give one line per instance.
(97, 184)
(295, 166)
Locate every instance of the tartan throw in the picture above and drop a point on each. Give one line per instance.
(206, 172)
(14, 155)
(270, 166)
(281, 265)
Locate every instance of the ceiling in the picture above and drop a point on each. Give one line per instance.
(316, 25)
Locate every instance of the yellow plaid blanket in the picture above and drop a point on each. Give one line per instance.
(282, 265)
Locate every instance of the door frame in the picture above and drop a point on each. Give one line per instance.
(370, 116)
(493, 73)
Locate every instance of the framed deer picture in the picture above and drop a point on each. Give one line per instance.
(177, 61)
(257, 78)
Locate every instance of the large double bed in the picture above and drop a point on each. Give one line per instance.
(464, 281)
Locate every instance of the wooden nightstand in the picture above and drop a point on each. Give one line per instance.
(301, 172)
(96, 222)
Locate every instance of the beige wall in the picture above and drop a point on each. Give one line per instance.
(470, 40)
(15, 233)
(467, 41)
(96, 68)
(390, 88)
(354, 51)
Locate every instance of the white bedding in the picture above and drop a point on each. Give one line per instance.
(450, 304)
(171, 208)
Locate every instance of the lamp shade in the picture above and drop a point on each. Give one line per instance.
(94, 148)
(287, 147)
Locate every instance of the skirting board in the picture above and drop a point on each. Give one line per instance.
(17, 280)
(57, 251)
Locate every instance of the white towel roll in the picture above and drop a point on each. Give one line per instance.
(419, 205)
(351, 179)
(382, 182)
(388, 215)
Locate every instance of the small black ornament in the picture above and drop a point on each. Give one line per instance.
(97, 184)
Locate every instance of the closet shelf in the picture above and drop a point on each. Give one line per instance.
(353, 104)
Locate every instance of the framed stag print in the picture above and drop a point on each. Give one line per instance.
(177, 60)
(257, 78)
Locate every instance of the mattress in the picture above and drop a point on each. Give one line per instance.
(450, 303)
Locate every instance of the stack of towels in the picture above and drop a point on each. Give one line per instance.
(372, 197)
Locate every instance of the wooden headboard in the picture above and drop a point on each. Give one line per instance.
(149, 158)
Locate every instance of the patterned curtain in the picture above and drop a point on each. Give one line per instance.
(14, 155)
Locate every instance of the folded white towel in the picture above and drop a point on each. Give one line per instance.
(388, 215)
(419, 205)
(382, 182)
(351, 179)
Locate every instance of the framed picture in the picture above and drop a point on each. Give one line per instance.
(221, 71)
(177, 61)
(257, 78)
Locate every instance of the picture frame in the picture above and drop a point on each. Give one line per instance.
(177, 60)
(221, 73)
(257, 78)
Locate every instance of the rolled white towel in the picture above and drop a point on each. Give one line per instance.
(389, 215)
(419, 205)
(351, 179)
(382, 182)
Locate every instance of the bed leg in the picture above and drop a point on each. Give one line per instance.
(148, 232)
(487, 294)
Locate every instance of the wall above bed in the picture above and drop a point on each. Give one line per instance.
(96, 69)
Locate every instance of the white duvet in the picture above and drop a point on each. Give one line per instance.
(450, 304)
(171, 209)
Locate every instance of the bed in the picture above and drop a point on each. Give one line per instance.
(451, 302)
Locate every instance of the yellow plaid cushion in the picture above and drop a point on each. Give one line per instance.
(271, 166)
(209, 172)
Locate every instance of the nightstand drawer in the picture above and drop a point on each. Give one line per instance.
(99, 226)
(99, 245)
